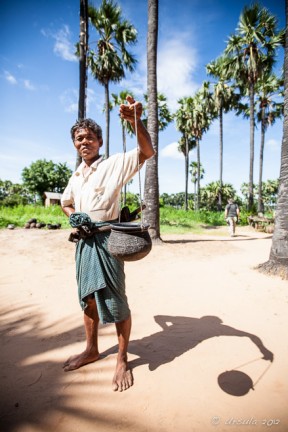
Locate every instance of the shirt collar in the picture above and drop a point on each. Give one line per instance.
(93, 166)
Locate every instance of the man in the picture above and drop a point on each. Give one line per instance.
(94, 189)
(231, 215)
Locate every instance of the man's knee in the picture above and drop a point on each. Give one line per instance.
(90, 301)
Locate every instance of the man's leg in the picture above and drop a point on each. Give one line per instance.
(234, 225)
(91, 353)
(230, 221)
(123, 378)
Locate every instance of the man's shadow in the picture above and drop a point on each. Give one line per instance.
(180, 334)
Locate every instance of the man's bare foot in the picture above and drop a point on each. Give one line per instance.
(79, 360)
(123, 378)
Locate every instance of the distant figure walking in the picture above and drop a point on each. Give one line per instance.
(231, 215)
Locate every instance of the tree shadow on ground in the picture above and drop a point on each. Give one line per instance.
(234, 239)
(33, 390)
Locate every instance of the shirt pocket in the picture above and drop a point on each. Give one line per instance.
(99, 199)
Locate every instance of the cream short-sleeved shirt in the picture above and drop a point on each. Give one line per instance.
(97, 193)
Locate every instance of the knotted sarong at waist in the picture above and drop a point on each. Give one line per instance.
(99, 273)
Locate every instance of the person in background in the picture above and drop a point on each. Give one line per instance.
(231, 215)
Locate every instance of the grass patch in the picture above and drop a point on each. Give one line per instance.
(171, 220)
(21, 214)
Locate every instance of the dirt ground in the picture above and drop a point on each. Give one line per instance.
(203, 319)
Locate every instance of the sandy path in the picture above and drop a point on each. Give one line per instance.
(199, 310)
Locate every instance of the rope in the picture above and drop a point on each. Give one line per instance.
(122, 179)
(252, 361)
(139, 176)
(138, 165)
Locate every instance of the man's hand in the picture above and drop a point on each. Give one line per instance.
(127, 111)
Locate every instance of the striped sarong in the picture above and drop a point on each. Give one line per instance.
(100, 274)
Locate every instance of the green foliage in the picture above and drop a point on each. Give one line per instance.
(132, 200)
(269, 194)
(13, 194)
(191, 220)
(46, 176)
(210, 193)
(21, 214)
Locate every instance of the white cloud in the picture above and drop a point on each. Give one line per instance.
(10, 78)
(23, 82)
(28, 85)
(176, 64)
(177, 61)
(70, 100)
(171, 151)
(63, 47)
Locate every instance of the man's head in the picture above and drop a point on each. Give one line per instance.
(87, 137)
(230, 200)
(86, 124)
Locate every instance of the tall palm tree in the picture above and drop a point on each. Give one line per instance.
(278, 259)
(204, 113)
(82, 50)
(111, 58)
(186, 142)
(194, 177)
(185, 145)
(268, 88)
(249, 54)
(225, 100)
(151, 193)
(193, 118)
(117, 100)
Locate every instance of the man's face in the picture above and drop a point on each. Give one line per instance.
(87, 144)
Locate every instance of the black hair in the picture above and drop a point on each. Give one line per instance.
(86, 124)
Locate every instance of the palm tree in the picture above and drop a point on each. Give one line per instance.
(185, 145)
(193, 118)
(110, 59)
(194, 177)
(267, 88)
(204, 113)
(278, 260)
(117, 100)
(249, 54)
(210, 193)
(151, 194)
(82, 50)
(186, 142)
(225, 99)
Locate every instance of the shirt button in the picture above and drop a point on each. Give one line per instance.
(77, 173)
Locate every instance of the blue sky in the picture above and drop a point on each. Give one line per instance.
(39, 78)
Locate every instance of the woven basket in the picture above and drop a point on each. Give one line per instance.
(129, 242)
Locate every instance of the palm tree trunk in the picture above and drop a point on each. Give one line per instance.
(221, 158)
(124, 150)
(278, 260)
(151, 194)
(260, 198)
(251, 169)
(83, 43)
(107, 115)
(198, 174)
(186, 173)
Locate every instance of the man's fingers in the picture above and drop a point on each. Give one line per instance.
(130, 99)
